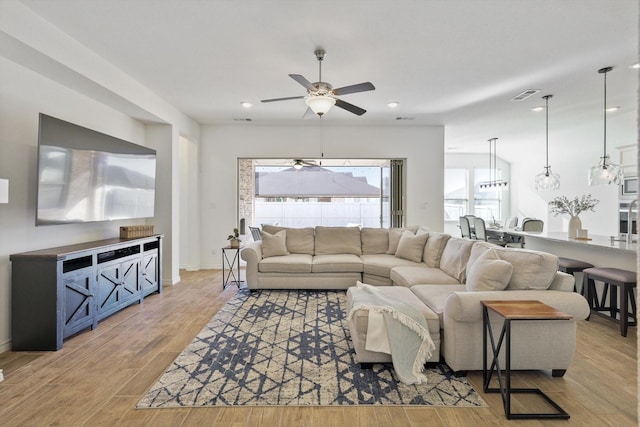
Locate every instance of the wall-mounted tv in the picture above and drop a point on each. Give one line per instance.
(86, 176)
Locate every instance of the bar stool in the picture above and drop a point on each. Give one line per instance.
(613, 278)
(571, 266)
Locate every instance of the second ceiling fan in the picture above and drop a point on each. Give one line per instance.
(321, 96)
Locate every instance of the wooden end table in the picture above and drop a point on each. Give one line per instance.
(513, 311)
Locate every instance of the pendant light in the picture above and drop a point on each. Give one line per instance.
(547, 180)
(605, 172)
(494, 183)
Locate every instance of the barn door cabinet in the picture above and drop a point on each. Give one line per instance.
(58, 292)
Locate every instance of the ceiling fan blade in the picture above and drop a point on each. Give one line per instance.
(282, 99)
(350, 107)
(360, 87)
(304, 82)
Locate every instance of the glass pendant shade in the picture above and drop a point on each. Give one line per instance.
(320, 104)
(605, 173)
(547, 180)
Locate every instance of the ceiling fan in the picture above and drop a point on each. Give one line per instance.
(321, 96)
(299, 163)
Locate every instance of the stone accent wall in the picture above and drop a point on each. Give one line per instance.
(246, 186)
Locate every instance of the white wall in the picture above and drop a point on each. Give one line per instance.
(221, 146)
(189, 206)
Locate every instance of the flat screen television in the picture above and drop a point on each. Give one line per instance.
(87, 176)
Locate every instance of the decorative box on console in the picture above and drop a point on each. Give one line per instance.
(135, 231)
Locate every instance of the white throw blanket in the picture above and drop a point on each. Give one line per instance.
(403, 332)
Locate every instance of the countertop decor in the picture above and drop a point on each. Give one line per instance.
(562, 205)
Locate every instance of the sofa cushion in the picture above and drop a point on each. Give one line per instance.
(489, 273)
(374, 240)
(434, 296)
(531, 269)
(381, 264)
(299, 240)
(411, 246)
(293, 263)
(434, 248)
(409, 275)
(455, 257)
(274, 244)
(336, 263)
(338, 240)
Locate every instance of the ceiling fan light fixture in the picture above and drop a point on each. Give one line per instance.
(298, 165)
(320, 104)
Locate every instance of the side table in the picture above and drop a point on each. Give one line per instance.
(513, 311)
(231, 261)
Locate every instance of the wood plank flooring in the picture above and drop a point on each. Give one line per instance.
(99, 376)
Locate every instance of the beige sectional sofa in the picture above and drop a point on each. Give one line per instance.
(443, 276)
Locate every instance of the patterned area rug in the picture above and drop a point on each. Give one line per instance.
(290, 348)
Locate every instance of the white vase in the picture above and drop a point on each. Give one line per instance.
(574, 225)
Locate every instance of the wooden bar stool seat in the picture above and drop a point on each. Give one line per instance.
(613, 278)
(571, 266)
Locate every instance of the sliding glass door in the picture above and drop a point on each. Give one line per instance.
(325, 192)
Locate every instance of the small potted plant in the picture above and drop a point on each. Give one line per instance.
(233, 239)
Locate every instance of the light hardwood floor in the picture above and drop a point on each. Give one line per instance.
(99, 376)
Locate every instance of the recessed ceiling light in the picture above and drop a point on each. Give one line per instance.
(246, 104)
(393, 104)
(612, 109)
(635, 66)
(538, 108)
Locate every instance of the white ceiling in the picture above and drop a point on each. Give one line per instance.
(450, 62)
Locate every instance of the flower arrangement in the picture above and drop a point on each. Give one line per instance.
(562, 205)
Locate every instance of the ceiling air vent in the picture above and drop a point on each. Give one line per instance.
(524, 95)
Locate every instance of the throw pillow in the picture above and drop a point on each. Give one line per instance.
(489, 273)
(411, 246)
(394, 238)
(274, 244)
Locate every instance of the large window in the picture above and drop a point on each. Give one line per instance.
(487, 204)
(312, 192)
(456, 193)
(463, 196)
